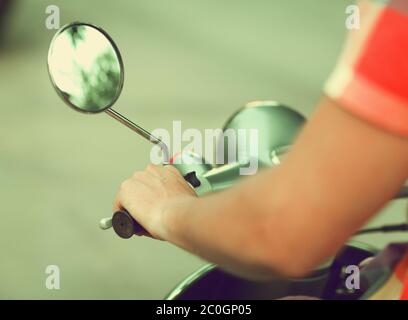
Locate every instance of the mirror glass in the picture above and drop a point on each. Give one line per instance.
(85, 67)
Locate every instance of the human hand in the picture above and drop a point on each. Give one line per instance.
(149, 196)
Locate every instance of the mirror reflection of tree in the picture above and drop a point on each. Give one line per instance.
(101, 83)
(76, 34)
(98, 81)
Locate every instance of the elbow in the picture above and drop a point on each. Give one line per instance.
(292, 266)
(287, 263)
(287, 254)
(295, 267)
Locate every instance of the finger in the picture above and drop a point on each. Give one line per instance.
(143, 234)
(147, 234)
(155, 170)
(117, 206)
(172, 170)
(117, 203)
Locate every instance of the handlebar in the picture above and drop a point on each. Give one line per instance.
(125, 226)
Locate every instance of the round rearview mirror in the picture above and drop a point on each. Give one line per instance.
(85, 67)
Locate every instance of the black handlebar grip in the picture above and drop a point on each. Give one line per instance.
(124, 225)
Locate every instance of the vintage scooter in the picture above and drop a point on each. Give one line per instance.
(87, 71)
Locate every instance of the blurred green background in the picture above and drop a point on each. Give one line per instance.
(194, 61)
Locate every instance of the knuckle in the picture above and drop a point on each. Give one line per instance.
(137, 174)
(152, 168)
(172, 169)
(124, 185)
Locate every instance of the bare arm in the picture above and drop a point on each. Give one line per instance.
(339, 173)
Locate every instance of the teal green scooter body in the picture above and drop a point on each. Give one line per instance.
(327, 282)
(277, 126)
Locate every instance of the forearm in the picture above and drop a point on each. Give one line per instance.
(288, 219)
(291, 218)
(229, 229)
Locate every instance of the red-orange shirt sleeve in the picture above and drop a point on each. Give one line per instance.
(371, 77)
